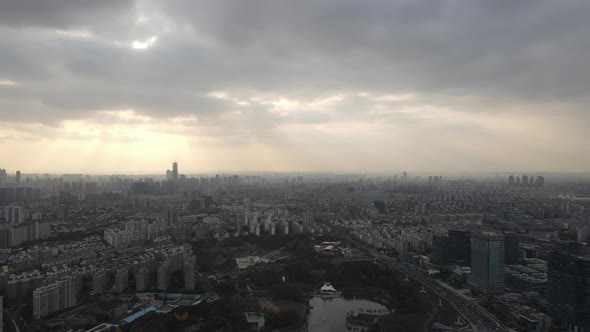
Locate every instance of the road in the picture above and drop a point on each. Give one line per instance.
(479, 318)
(13, 322)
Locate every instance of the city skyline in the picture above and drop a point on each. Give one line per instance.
(512, 178)
(294, 165)
(118, 86)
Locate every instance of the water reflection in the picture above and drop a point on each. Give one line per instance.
(329, 315)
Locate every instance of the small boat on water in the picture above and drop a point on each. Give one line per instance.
(328, 291)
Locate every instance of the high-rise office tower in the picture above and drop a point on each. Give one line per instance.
(487, 263)
(441, 249)
(540, 182)
(18, 178)
(511, 180)
(460, 250)
(569, 291)
(525, 180)
(511, 243)
(175, 171)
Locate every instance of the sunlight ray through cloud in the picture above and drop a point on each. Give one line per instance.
(144, 44)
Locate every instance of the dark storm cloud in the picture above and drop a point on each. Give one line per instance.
(62, 13)
(505, 52)
(505, 48)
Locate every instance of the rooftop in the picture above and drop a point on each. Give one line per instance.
(138, 314)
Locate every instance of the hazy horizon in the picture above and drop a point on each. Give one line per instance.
(123, 86)
(412, 174)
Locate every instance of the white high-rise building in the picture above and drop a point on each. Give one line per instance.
(121, 280)
(99, 282)
(163, 277)
(42, 230)
(142, 280)
(46, 300)
(68, 293)
(272, 228)
(14, 214)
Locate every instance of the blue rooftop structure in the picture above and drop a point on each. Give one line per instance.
(138, 314)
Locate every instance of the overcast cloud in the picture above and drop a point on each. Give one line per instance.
(295, 85)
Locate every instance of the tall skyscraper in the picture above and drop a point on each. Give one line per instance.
(441, 249)
(569, 291)
(460, 250)
(487, 263)
(511, 180)
(540, 182)
(511, 243)
(3, 177)
(18, 178)
(175, 171)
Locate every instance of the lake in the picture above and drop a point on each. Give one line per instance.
(329, 314)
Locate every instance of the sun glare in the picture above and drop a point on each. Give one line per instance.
(141, 45)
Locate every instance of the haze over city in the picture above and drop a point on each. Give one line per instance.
(294, 165)
(120, 86)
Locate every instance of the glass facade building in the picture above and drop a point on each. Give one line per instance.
(569, 291)
(487, 263)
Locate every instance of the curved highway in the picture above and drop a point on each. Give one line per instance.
(479, 318)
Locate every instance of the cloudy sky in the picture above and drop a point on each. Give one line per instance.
(305, 85)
